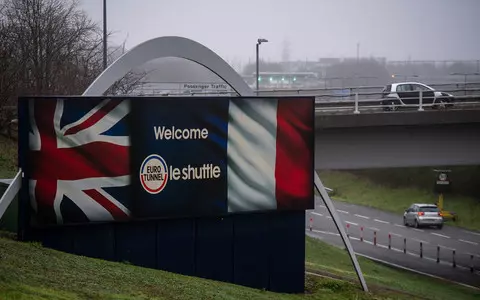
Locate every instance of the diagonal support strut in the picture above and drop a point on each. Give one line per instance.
(333, 213)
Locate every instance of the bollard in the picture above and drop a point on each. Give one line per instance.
(356, 111)
(389, 241)
(348, 226)
(453, 256)
(404, 245)
(421, 249)
(438, 254)
(374, 238)
(311, 221)
(361, 234)
(420, 107)
(471, 263)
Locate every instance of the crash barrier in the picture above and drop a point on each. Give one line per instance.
(382, 104)
(416, 248)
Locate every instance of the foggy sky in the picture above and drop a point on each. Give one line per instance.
(396, 29)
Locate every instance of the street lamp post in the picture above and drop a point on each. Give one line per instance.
(259, 41)
(104, 34)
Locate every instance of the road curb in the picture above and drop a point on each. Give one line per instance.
(415, 271)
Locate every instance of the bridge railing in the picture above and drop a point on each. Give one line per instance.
(380, 103)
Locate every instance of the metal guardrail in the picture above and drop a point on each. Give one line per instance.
(381, 104)
(374, 87)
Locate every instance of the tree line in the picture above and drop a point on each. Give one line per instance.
(50, 47)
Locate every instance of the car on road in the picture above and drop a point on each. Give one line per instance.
(419, 215)
(407, 94)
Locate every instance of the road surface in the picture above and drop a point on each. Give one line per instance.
(369, 229)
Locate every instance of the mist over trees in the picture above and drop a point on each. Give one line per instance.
(352, 72)
(49, 47)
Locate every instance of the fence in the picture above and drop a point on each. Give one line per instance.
(425, 250)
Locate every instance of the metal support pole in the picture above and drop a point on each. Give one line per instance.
(356, 104)
(420, 107)
(374, 238)
(421, 249)
(438, 254)
(256, 67)
(389, 241)
(311, 222)
(404, 245)
(348, 226)
(471, 263)
(104, 34)
(338, 223)
(361, 234)
(11, 192)
(453, 256)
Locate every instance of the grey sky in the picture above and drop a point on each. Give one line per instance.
(396, 29)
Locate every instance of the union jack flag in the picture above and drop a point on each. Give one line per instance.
(79, 159)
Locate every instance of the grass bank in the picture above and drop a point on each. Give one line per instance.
(324, 257)
(29, 271)
(360, 190)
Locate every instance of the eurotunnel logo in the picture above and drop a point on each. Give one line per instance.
(154, 174)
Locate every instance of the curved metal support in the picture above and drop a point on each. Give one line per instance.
(169, 46)
(172, 46)
(338, 223)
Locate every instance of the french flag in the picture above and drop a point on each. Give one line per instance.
(270, 161)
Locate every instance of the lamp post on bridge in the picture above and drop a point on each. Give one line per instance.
(259, 41)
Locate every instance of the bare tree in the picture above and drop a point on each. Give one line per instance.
(50, 47)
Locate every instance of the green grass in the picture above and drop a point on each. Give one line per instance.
(8, 157)
(29, 271)
(324, 257)
(359, 190)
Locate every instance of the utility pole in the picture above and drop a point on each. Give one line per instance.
(358, 52)
(104, 34)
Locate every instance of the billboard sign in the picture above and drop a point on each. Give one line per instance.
(100, 159)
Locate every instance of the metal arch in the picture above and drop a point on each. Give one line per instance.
(172, 46)
(168, 46)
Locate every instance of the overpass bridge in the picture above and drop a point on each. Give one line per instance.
(397, 139)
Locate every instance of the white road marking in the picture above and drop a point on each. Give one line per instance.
(445, 247)
(328, 217)
(317, 214)
(360, 216)
(322, 205)
(373, 228)
(380, 221)
(351, 223)
(442, 262)
(416, 271)
(343, 211)
(468, 242)
(326, 232)
(471, 232)
(440, 235)
(396, 234)
(416, 229)
(398, 225)
(421, 241)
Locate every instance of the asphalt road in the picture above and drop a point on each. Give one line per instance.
(363, 224)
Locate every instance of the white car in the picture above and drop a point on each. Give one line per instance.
(419, 214)
(407, 94)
